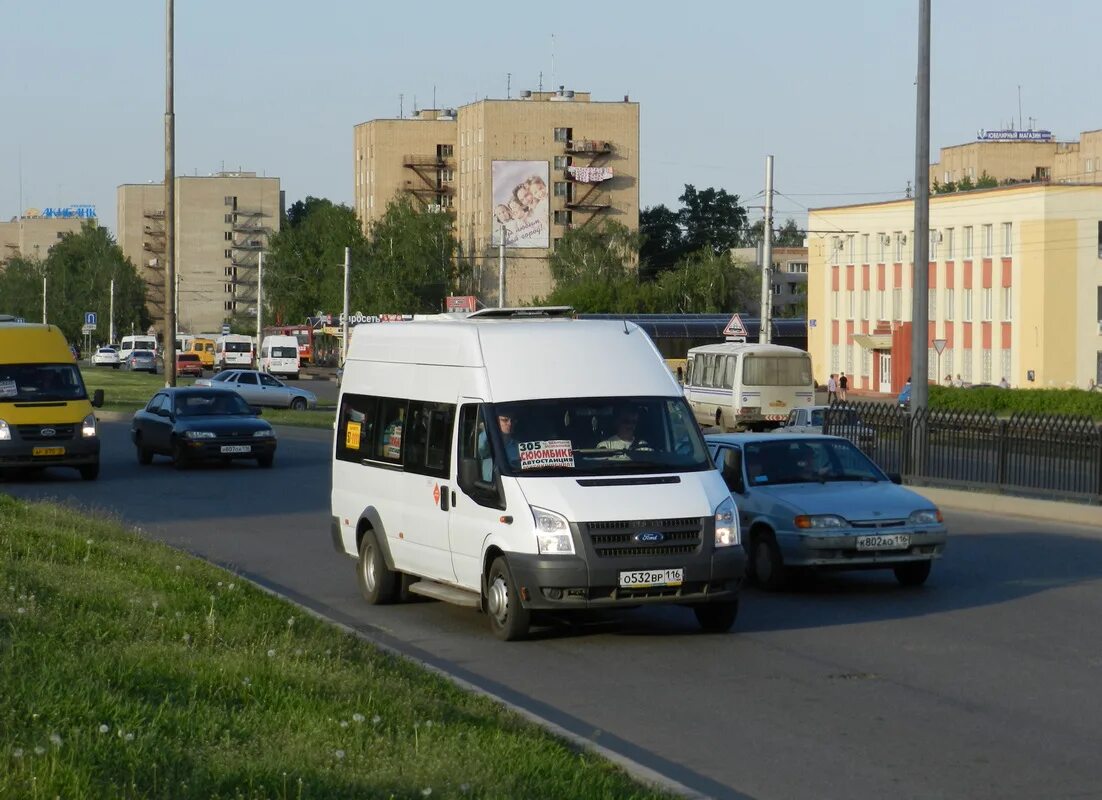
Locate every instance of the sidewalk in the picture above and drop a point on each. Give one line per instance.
(993, 503)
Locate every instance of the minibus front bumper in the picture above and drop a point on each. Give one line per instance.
(20, 453)
(593, 579)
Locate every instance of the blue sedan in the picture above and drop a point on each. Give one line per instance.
(809, 501)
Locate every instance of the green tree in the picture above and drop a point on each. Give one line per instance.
(788, 235)
(662, 240)
(606, 252)
(711, 219)
(79, 269)
(986, 181)
(302, 269)
(706, 282)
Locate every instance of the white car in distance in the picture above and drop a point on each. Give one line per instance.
(106, 357)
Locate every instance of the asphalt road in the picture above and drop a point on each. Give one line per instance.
(983, 684)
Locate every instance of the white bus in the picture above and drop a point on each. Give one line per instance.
(138, 341)
(740, 386)
(234, 351)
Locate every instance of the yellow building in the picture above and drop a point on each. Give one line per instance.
(1015, 288)
(1022, 156)
(32, 234)
(534, 166)
(223, 222)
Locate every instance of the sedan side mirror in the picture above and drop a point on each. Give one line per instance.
(97, 398)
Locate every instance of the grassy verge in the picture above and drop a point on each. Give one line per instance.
(128, 391)
(129, 670)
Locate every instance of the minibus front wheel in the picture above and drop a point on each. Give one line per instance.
(509, 620)
(377, 582)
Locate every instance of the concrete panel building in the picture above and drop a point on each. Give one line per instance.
(32, 234)
(1015, 288)
(223, 222)
(1022, 160)
(561, 161)
(788, 282)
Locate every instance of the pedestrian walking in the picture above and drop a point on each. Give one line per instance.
(832, 389)
(843, 387)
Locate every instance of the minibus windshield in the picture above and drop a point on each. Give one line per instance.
(22, 383)
(597, 436)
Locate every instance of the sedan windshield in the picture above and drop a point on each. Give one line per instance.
(598, 436)
(807, 461)
(210, 404)
(20, 383)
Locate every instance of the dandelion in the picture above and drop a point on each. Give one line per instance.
(298, 651)
(179, 614)
(129, 737)
(339, 754)
(104, 728)
(464, 787)
(428, 723)
(290, 622)
(55, 740)
(88, 541)
(187, 638)
(426, 791)
(375, 720)
(219, 583)
(230, 587)
(179, 568)
(247, 681)
(20, 610)
(271, 654)
(344, 723)
(17, 752)
(357, 717)
(39, 750)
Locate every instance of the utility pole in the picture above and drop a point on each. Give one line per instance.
(766, 254)
(43, 294)
(501, 269)
(920, 301)
(111, 316)
(344, 319)
(259, 297)
(170, 207)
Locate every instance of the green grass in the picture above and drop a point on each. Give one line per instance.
(128, 391)
(130, 670)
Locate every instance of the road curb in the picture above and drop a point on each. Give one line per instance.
(1050, 510)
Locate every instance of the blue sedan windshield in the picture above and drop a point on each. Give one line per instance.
(807, 461)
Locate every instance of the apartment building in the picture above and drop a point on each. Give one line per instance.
(35, 231)
(788, 282)
(1015, 288)
(528, 169)
(1022, 156)
(223, 223)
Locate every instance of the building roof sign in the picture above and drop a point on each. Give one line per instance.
(1014, 136)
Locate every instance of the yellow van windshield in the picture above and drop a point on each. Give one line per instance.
(22, 383)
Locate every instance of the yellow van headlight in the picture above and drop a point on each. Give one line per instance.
(5, 432)
(88, 427)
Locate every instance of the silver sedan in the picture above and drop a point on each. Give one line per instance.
(261, 389)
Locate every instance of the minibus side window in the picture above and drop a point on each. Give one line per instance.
(428, 438)
(477, 475)
(392, 428)
(356, 427)
(689, 371)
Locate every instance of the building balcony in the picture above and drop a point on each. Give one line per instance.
(428, 160)
(253, 245)
(248, 227)
(154, 215)
(149, 230)
(153, 247)
(589, 203)
(588, 147)
(437, 191)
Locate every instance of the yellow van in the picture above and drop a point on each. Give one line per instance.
(204, 348)
(46, 419)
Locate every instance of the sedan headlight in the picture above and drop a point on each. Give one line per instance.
(820, 521)
(264, 434)
(5, 432)
(727, 530)
(88, 426)
(926, 516)
(199, 434)
(552, 532)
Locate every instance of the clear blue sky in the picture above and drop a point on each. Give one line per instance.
(275, 86)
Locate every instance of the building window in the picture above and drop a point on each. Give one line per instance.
(948, 305)
(866, 362)
(967, 366)
(986, 367)
(931, 364)
(897, 304)
(835, 248)
(227, 288)
(447, 175)
(562, 162)
(228, 253)
(988, 244)
(1007, 243)
(950, 244)
(562, 189)
(932, 301)
(1008, 313)
(864, 248)
(229, 272)
(967, 241)
(849, 358)
(935, 237)
(562, 217)
(1004, 362)
(947, 361)
(228, 305)
(850, 304)
(864, 304)
(849, 249)
(882, 240)
(985, 302)
(797, 266)
(445, 150)
(880, 308)
(228, 236)
(966, 312)
(555, 242)
(562, 134)
(834, 358)
(834, 305)
(227, 201)
(899, 241)
(229, 218)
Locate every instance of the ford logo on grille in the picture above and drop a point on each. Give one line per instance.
(47, 432)
(650, 536)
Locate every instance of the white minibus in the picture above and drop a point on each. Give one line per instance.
(233, 351)
(129, 344)
(740, 386)
(279, 356)
(520, 460)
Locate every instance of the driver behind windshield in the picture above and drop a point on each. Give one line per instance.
(625, 436)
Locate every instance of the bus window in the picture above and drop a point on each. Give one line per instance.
(776, 371)
(729, 372)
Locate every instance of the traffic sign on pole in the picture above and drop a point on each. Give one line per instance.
(90, 319)
(735, 329)
(225, 329)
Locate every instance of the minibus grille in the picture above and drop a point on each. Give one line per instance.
(35, 433)
(620, 538)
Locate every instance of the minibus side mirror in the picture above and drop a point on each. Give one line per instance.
(97, 398)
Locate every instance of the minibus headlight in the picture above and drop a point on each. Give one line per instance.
(5, 432)
(199, 434)
(552, 533)
(88, 427)
(727, 530)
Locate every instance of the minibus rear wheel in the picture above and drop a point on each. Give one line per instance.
(378, 584)
(509, 620)
(716, 617)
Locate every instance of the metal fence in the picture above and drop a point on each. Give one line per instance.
(1030, 454)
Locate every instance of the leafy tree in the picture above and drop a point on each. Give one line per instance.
(965, 184)
(409, 264)
(663, 242)
(606, 252)
(788, 235)
(711, 219)
(708, 282)
(79, 269)
(986, 181)
(302, 270)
